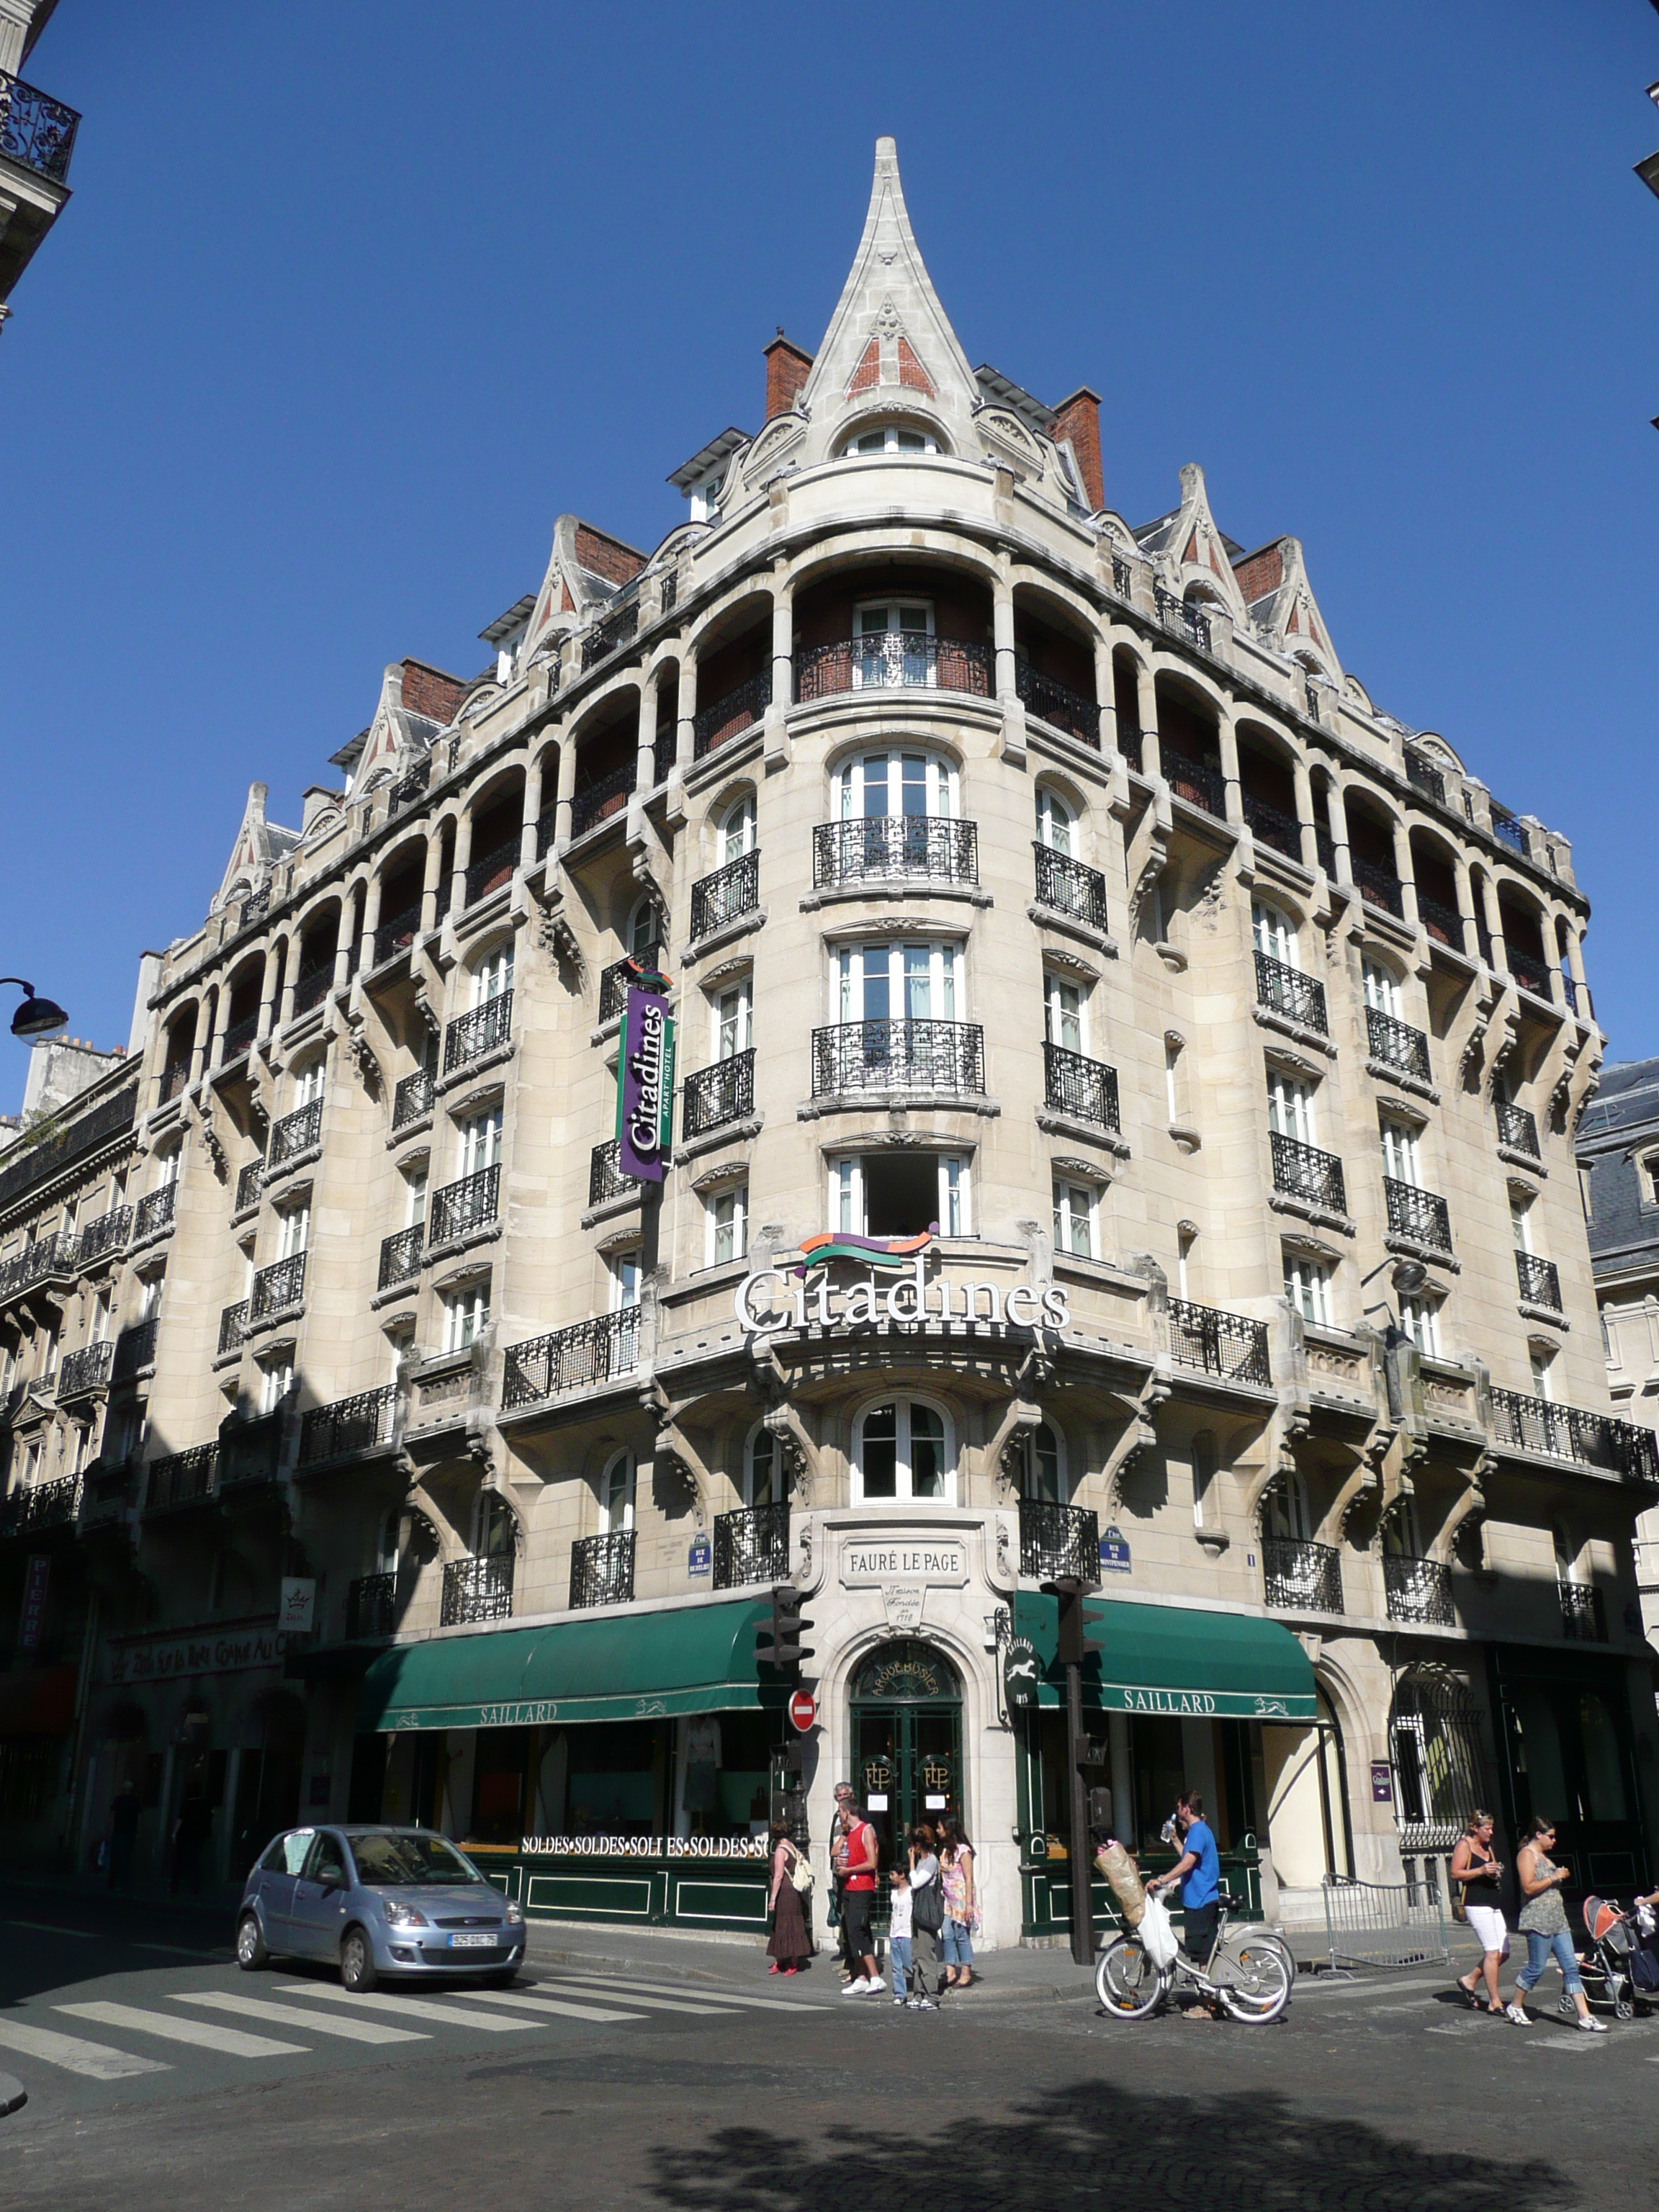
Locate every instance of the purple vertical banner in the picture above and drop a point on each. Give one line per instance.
(34, 1617)
(645, 1087)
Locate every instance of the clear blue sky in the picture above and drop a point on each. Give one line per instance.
(352, 300)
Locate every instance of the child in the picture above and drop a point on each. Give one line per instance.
(898, 1946)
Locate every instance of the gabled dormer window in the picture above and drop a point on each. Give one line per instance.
(889, 439)
(705, 497)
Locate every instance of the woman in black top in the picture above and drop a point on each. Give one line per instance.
(1478, 1872)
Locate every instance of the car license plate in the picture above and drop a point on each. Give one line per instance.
(472, 1942)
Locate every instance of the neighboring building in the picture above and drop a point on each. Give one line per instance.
(1039, 893)
(37, 137)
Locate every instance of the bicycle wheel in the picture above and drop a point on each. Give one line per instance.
(1129, 1986)
(1251, 1980)
(1266, 1937)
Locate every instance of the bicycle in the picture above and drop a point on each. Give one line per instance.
(1249, 1975)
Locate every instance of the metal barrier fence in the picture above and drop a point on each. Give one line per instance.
(1370, 1923)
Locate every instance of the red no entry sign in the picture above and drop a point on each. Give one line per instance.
(803, 1710)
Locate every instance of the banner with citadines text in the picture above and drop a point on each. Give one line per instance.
(645, 1087)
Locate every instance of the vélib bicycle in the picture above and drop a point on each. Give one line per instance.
(1249, 1975)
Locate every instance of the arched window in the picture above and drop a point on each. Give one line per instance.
(643, 934)
(902, 1451)
(890, 438)
(617, 1495)
(493, 977)
(1055, 823)
(1402, 1535)
(1287, 1515)
(736, 831)
(1382, 989)
(1043, 1475)
(1274, 933)
(763, 1469)
(495, 1531)
(884, 785)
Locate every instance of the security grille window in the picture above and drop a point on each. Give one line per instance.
(877, 787)
(480, 1141)
(1290, 1107)
(1074, 1219)
(897, 982)
(293, 1229)
(889, 439)
(624, 1272)
(1381, 990)
(1401, 1160)
(1420, 1319)
(900, 1453)
(616, 1496)
(728, 1224)
(1307, 1288)
(1274, 935)
(492, 978)
(901, 1194)
(734, 1020)
(466, 1311)
(1054, 825)
(1065, 1009)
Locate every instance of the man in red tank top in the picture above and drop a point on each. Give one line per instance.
(855, 1860)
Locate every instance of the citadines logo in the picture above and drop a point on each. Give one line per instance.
(912, 1299)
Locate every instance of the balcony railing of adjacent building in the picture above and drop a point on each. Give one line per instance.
(1517, 1128)
(232, 1321)
(240, 1035)
(36, 131)
(492, 869)
(895, 660)
(1443, 923)
(1418, 1214)
(468, 1204)
(610, 636)
(400, 1257)
(470, 1037)
(1531, 975)
(1539, 1280)
(371, 1606)
(39, 1506)
(412, 1100)
(1423, 776)
(876, 847)
(596, 802)
(108, 1488)
(108, 1233)
(1583, 1616)
(1303, 1171)
(605, 1179)
(46, 1256)
(1418, 1590)
(154, 1212)
(615, 980)
(349, 1426)
(1227, 1345)
(1201, 783)
(278, 1287)
(1506, 828)
(395, 935)
(738, 710)
(751, 1546)
(1287, 991)
(715, 1095)
(1598, 1440)
(477, 1589)
(1396, 1044)
(1182, 616)
(940, 1056)
(135, 1348)
(183, 1477)
(727, 895)
(299, 1132)
(1300, 1577)
(314, 985)
(1057, 1539)
(1058, 705)
(1377, 886)
(573, 1358)
(247, 1185)
(602, 1570)
(1069, 887)
(1084, 1088)
(33, 1161)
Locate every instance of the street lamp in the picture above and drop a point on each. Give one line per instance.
(35, 1017)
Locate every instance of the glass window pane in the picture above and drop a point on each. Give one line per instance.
(881, 1452)
(927, 1453)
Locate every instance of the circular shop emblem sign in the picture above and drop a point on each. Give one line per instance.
(1019, 1673)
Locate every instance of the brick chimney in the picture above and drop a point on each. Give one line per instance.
(1078, 420)
(787, 371)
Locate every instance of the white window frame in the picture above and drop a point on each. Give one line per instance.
(414, 1186)
(643, 934)
(902, 769)
(1034, 1454)
(762, 1455)
(1543, 1372)
(478, 1141)
(726, 1213)
(1420, 1317)
(846, 1208)
(1289, 1516)
(1056, 822)
(860, 445)
(1273, 933)
(618, 1494)
(1291, 1110)
(731, 1019)
(294, 1229)
(1307, 1288)
(736, 834)
(275, 1380)
(1065, 1001)
(705, 497)
(622, 1271)
(899, 967)
(1402, 1152)
(308, 1083)
(1382, 988)
(467, 1313)
(905, 1407)
(1520, 1221)
(492, 977)
(1076, 1206)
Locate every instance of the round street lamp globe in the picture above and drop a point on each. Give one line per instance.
(36, 1016)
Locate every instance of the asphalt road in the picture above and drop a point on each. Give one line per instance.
(629, 2070)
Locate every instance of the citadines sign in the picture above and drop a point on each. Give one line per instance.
(645, 1087)
(771, 1299)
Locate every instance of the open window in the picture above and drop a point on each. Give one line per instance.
(900, 1193)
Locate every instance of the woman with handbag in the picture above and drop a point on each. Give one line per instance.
(789, 1946)
(1478, 1872)
(926, 1895)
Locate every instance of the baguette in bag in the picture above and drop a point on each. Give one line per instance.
(1123, 1882)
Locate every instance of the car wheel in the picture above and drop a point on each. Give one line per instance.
(251, 1951)
(357, 1962)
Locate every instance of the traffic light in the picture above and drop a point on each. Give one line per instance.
(1071, 1643)
(778, 1642)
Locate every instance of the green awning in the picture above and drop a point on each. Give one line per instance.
(697, 1658)
(1175, 1660)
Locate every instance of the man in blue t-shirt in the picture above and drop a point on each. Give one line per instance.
(1198, 1872)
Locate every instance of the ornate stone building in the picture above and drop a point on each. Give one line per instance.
(37, 138)
(1043, 904)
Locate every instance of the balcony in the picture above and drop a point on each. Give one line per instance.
(1419, 1591)
(605, 1179)
(107, 1489)
(574, 1359)
(411, 787)
(171, 1082)
(107, 1234)
(729, 716)
(1084, 1088)
(610, 636)
(1397, 1045)
(1417, 1214)
(1182, 617)
(183, 1477)
(40, 1506)
(946, 1057)
(1539, 1281)
(1062, 709)
(1057, 1539)
(313, 986)
(1269, 826)
(1288, 991)
(1299, 1576)
(412, 1100)
(154, 1210)
(727, 895)
(751, 1546)
(135, 1348)
(247, 1188)
(36, 131)
(1517, 1130)
(895, 660)
(1583, 1617)
(1595, 1440)
(32, 1162)
(459, 1207)
(615, 980)
(239, 1036)
(371, 1606)
(395, 936)
(1531, 975)
(36, 1262)
(232, 1321)
(1378, 887)
(664, 751)
(1201, 783)
(1507, 829)
(716, 1095)
(400, 1258)
(1227, 1345)
(1065, 886)
(295, 1134)
(348, 1426)
(473, 1037)
(1423, 776)
(1443, 923)
(1303, 1171)
(602, 1570)
(277, 1288)
(492, 871)
(250, 1452)
(880, 848)
(476, 1589)
(597, 802)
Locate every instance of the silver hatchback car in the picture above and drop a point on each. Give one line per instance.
(391, 1902)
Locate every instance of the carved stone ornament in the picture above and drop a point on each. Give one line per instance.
(215, 1148)
(425, 1009)
(888, 322)
(363, 1054)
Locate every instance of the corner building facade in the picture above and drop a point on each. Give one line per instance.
(1046, 907)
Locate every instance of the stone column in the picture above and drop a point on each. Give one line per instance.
(1105, 695)
(783, 643)
(645, 737)
(1227, 743)
(198, 1050)
(342, 944)
(463, 857)
(1151, 759)
(1552, 936)
(1494, 924)
(268, 989)
(371, 921)
(1306, 821)
(434, 861)
(1002, 633)
(1465, 905)
(528, 856)
(566, 794)
(1337, 815)
(1404, 869)
(290, 977)
(221, 1023)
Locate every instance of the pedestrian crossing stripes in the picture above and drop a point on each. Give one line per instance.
(552, 2004)
(740, 1999)
(404, 2008)
(631, 1996)
(291, 2016)
(98, 2062)
(206, 2035)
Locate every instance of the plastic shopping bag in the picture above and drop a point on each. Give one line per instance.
(1156, 1932)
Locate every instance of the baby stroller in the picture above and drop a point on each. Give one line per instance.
(1621, 1957)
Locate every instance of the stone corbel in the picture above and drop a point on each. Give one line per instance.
(783, 1424)
(369, 1071)
(1005, 1453)
(1148, 855)
(560, 942)
(1360, 1481)
(1139, 1436)
(1406, 1455)
(214, 1142)
(1468, 1510)
(1290, 1422)
(673, 1447)
(424, 1007)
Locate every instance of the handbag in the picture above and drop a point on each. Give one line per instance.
(800, 1873)
(927, 1908)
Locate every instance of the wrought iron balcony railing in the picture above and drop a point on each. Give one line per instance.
(412, 1100)
(86, 1370)
(874, 847)
(1517, 1128)
(1396, 1044)
(1377, 886)
(299, 1132)
(1597, 1440)
(400, 1257)
(1583, 1617)
(395, 935)
(135, 1348)
(470, 1037)
(738, 710)
(596, 802)
(313, 986)
(477, 1589)
(1531, 975)
(371, 1606)
(36, 131)
(1068, 887)
(411, 786)
(492, 869)
(1418, 1590)
(1299, 997)
(349, 1426)
(108, 1233)
(751, 1546)
(610, 636)
(278, 1287)
(469, 1204)
(602, 1570)
(1303, 1171)
(1057, 1539)
(46, 1257)
(1084, 1088)
(171, 1081)
(1443, 923)
(232, 1321)
(1423, 776)
(1539, 1280)
(727, 895)
(1272, 827)
(1299, 1576)
(895, 660)
(940, 1056)
(247, 1186)
(722, 1092)
(664, 751)
(250, 1452)
(238, 1037)
(615, 980)
(1418, 1214)
(573, 1359)
(1058, 705)
(1229, 1345)
(37, 1506)
(1506, 828)
(1182, 616)
(1201, 783)
(154, 1210)
(605, 1179)
(183, 1477)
